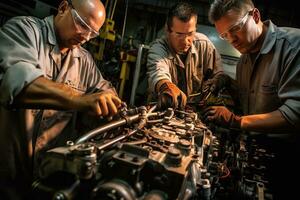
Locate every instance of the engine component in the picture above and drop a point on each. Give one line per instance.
(147, 154)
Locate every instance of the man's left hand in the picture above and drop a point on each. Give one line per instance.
(222, 116)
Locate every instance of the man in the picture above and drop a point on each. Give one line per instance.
(179, 62)
(43, 67)
(268, 77)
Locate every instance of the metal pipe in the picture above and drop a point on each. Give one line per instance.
(143, 121)
(114, 124)
(106, 128)
(115, 140)
(137, 73)
(124, 23)
(113, 10)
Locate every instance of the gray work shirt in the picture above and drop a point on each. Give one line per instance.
(162, 63)
(28, 50)
(272, 81)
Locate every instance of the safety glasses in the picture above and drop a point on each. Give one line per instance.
(184, 35)
(81, 25)
(235, 28)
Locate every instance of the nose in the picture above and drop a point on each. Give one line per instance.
(87, 36)
(187, 40)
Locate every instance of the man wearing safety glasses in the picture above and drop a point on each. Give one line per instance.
(178, 62)
(45, 78)
(268, 78)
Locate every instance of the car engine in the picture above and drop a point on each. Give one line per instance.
(155, 155)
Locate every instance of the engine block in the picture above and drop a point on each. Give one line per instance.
(144, 154)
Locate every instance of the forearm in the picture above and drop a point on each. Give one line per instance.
(46, 94)
(271, 122)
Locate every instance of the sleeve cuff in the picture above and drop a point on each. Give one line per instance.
(290, 111)
(15, 79)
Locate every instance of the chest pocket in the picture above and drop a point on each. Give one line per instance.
(268, 89)
(267, 98)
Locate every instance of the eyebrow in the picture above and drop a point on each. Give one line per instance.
(183, 33)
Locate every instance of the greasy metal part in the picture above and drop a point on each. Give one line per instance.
(115, 140)
(142, 120)
(207, 96)
(105, 128)
(175, 156)
(195, 94)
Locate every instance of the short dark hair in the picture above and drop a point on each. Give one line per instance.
(183, 11)
(219, 8)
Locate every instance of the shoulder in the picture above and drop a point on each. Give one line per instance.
(290, 35)
(24, 26)
(160, 47)
(25, 22)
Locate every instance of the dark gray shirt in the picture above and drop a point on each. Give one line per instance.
(271, 81)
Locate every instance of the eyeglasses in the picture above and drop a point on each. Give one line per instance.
(80, 24)
(183, 35)
(235, 28)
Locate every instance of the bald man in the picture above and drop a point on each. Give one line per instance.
(45, 77)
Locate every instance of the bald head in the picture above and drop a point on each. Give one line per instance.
(92, 11)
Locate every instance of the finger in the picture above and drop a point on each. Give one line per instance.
(117, 101)
(183, 100)
(209, 113)
(111, 107)
(103, 105)
(97, 110)
(208, 109)
(175, 102)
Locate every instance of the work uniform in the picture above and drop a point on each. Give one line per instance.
(270, 81)
(28, 50)
(164, 63)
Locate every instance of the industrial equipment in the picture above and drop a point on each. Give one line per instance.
(145, 153)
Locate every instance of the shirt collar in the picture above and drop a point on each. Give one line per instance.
(270, 38)
(51, 32)
(53, 40)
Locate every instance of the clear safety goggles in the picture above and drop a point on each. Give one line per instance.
(81, 25)
(184, 35)
(235, 28)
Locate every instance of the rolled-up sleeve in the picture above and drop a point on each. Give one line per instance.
(18, 58)
(157, 65)
(289, 90)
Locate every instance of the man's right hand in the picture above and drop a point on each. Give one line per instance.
(101, 103)
(169, 95)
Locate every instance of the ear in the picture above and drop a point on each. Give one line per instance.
(63, 6)
(256, 15)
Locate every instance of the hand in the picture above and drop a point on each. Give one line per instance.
(222, 116)
(219, 82)
(101, 103)
(170, 95)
